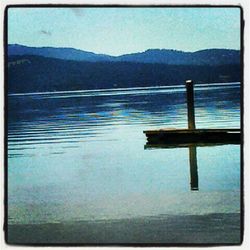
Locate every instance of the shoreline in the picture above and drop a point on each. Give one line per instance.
(212, 229)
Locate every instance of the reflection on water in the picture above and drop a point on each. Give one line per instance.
(194, 181)
(80, 154)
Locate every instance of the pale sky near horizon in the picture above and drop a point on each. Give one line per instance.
(117, 31)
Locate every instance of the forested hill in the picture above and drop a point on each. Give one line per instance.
(38, 74)
(165, 56)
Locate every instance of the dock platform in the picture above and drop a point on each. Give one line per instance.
(187, 136)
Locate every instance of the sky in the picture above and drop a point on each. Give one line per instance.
(117, 31)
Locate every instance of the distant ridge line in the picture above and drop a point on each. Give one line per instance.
(166, 56)
(146, 50)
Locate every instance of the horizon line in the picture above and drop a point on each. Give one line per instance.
(97, 53)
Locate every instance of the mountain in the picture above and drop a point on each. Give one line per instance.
(60, 53)
(29, 73)
(174, 57)
(164, 56)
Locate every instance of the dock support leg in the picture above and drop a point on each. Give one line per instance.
(190, 104)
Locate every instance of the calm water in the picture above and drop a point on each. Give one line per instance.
(80, 155)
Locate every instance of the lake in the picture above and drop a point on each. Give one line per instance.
(79, 155)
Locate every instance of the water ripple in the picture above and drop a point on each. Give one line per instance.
(75, 117)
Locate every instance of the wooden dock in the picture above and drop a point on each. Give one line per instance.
(186, 137)
(191, 135)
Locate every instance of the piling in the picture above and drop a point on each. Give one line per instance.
(190, 104)
(191, 135)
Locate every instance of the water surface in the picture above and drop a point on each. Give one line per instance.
(79, 155)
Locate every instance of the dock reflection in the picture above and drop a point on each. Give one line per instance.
(194, 179)
(192, 148)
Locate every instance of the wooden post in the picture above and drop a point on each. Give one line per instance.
(190, 104)
(194, 182)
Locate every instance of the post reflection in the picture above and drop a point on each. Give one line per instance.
(194, 178)
(193, 165)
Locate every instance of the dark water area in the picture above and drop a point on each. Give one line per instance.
(79, 155)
